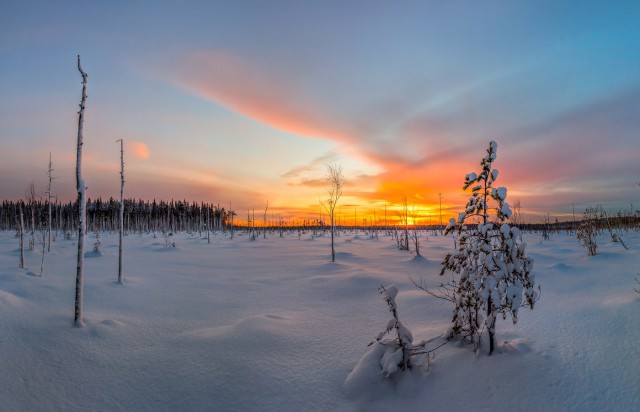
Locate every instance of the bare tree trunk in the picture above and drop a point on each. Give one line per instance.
(121, 217)
(30, 195)
(232, 213)
(44, 244)
(21, 234)
(491, 326)
(200, 221)
(50, 176)
(264, 228)
(82, 205)
(440, 225)
(208, 224)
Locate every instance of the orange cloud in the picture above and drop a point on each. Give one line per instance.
(139, 149)
(424, 153)
(244, 87)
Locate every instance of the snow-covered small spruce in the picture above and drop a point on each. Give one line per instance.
(491, 272)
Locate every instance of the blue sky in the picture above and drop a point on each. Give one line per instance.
(245, 101)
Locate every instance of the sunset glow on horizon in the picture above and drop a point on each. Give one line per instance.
(244, 103)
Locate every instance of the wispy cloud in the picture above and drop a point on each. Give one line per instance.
(241, 85)
(312, 166)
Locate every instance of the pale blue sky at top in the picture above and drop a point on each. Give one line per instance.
(245, 101)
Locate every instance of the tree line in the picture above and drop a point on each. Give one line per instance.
(184, 216)
(103, 216)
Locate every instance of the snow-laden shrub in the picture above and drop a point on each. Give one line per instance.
(396, 338)
(97, 244)
(491, 272)
(588, 230)
(394, 349)
(168, 240)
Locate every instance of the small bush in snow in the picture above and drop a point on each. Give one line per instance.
(397, 355)
(492, 274)
(394, 349)
(97, 244)
(168, 240)
(588, 230)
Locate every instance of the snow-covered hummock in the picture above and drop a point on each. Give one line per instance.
(271, 325)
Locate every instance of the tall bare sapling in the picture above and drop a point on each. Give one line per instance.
(82, 204)
(31, 197)
(20, 225)
(264, 221)
(334, 181)
(49, 197)
(121, 212)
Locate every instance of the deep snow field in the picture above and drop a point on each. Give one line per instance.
(273, 325)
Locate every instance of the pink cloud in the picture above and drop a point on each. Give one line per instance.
(241, 85)
(420, 153)
(278, 99)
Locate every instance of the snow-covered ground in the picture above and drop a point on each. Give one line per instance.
(273, 325)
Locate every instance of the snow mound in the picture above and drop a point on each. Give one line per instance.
(264, 325)
(515, 346)
(9, 299)
(619, 300)
(104, 328)
(93, 254)
(366, 376)
(560, 266)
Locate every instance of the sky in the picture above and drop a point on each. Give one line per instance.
(241, 102)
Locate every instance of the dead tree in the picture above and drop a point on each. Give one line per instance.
(42, 239)
(82, 205)
(614, 236)
(20, 224)
(49, 197)
(232, 214)
(416, 235)
(208, 224)
(30, 195)
(264, 221)
(403, 242)
(121, 214)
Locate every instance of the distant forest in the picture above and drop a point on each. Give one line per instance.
(183, 216)
(102, 216)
